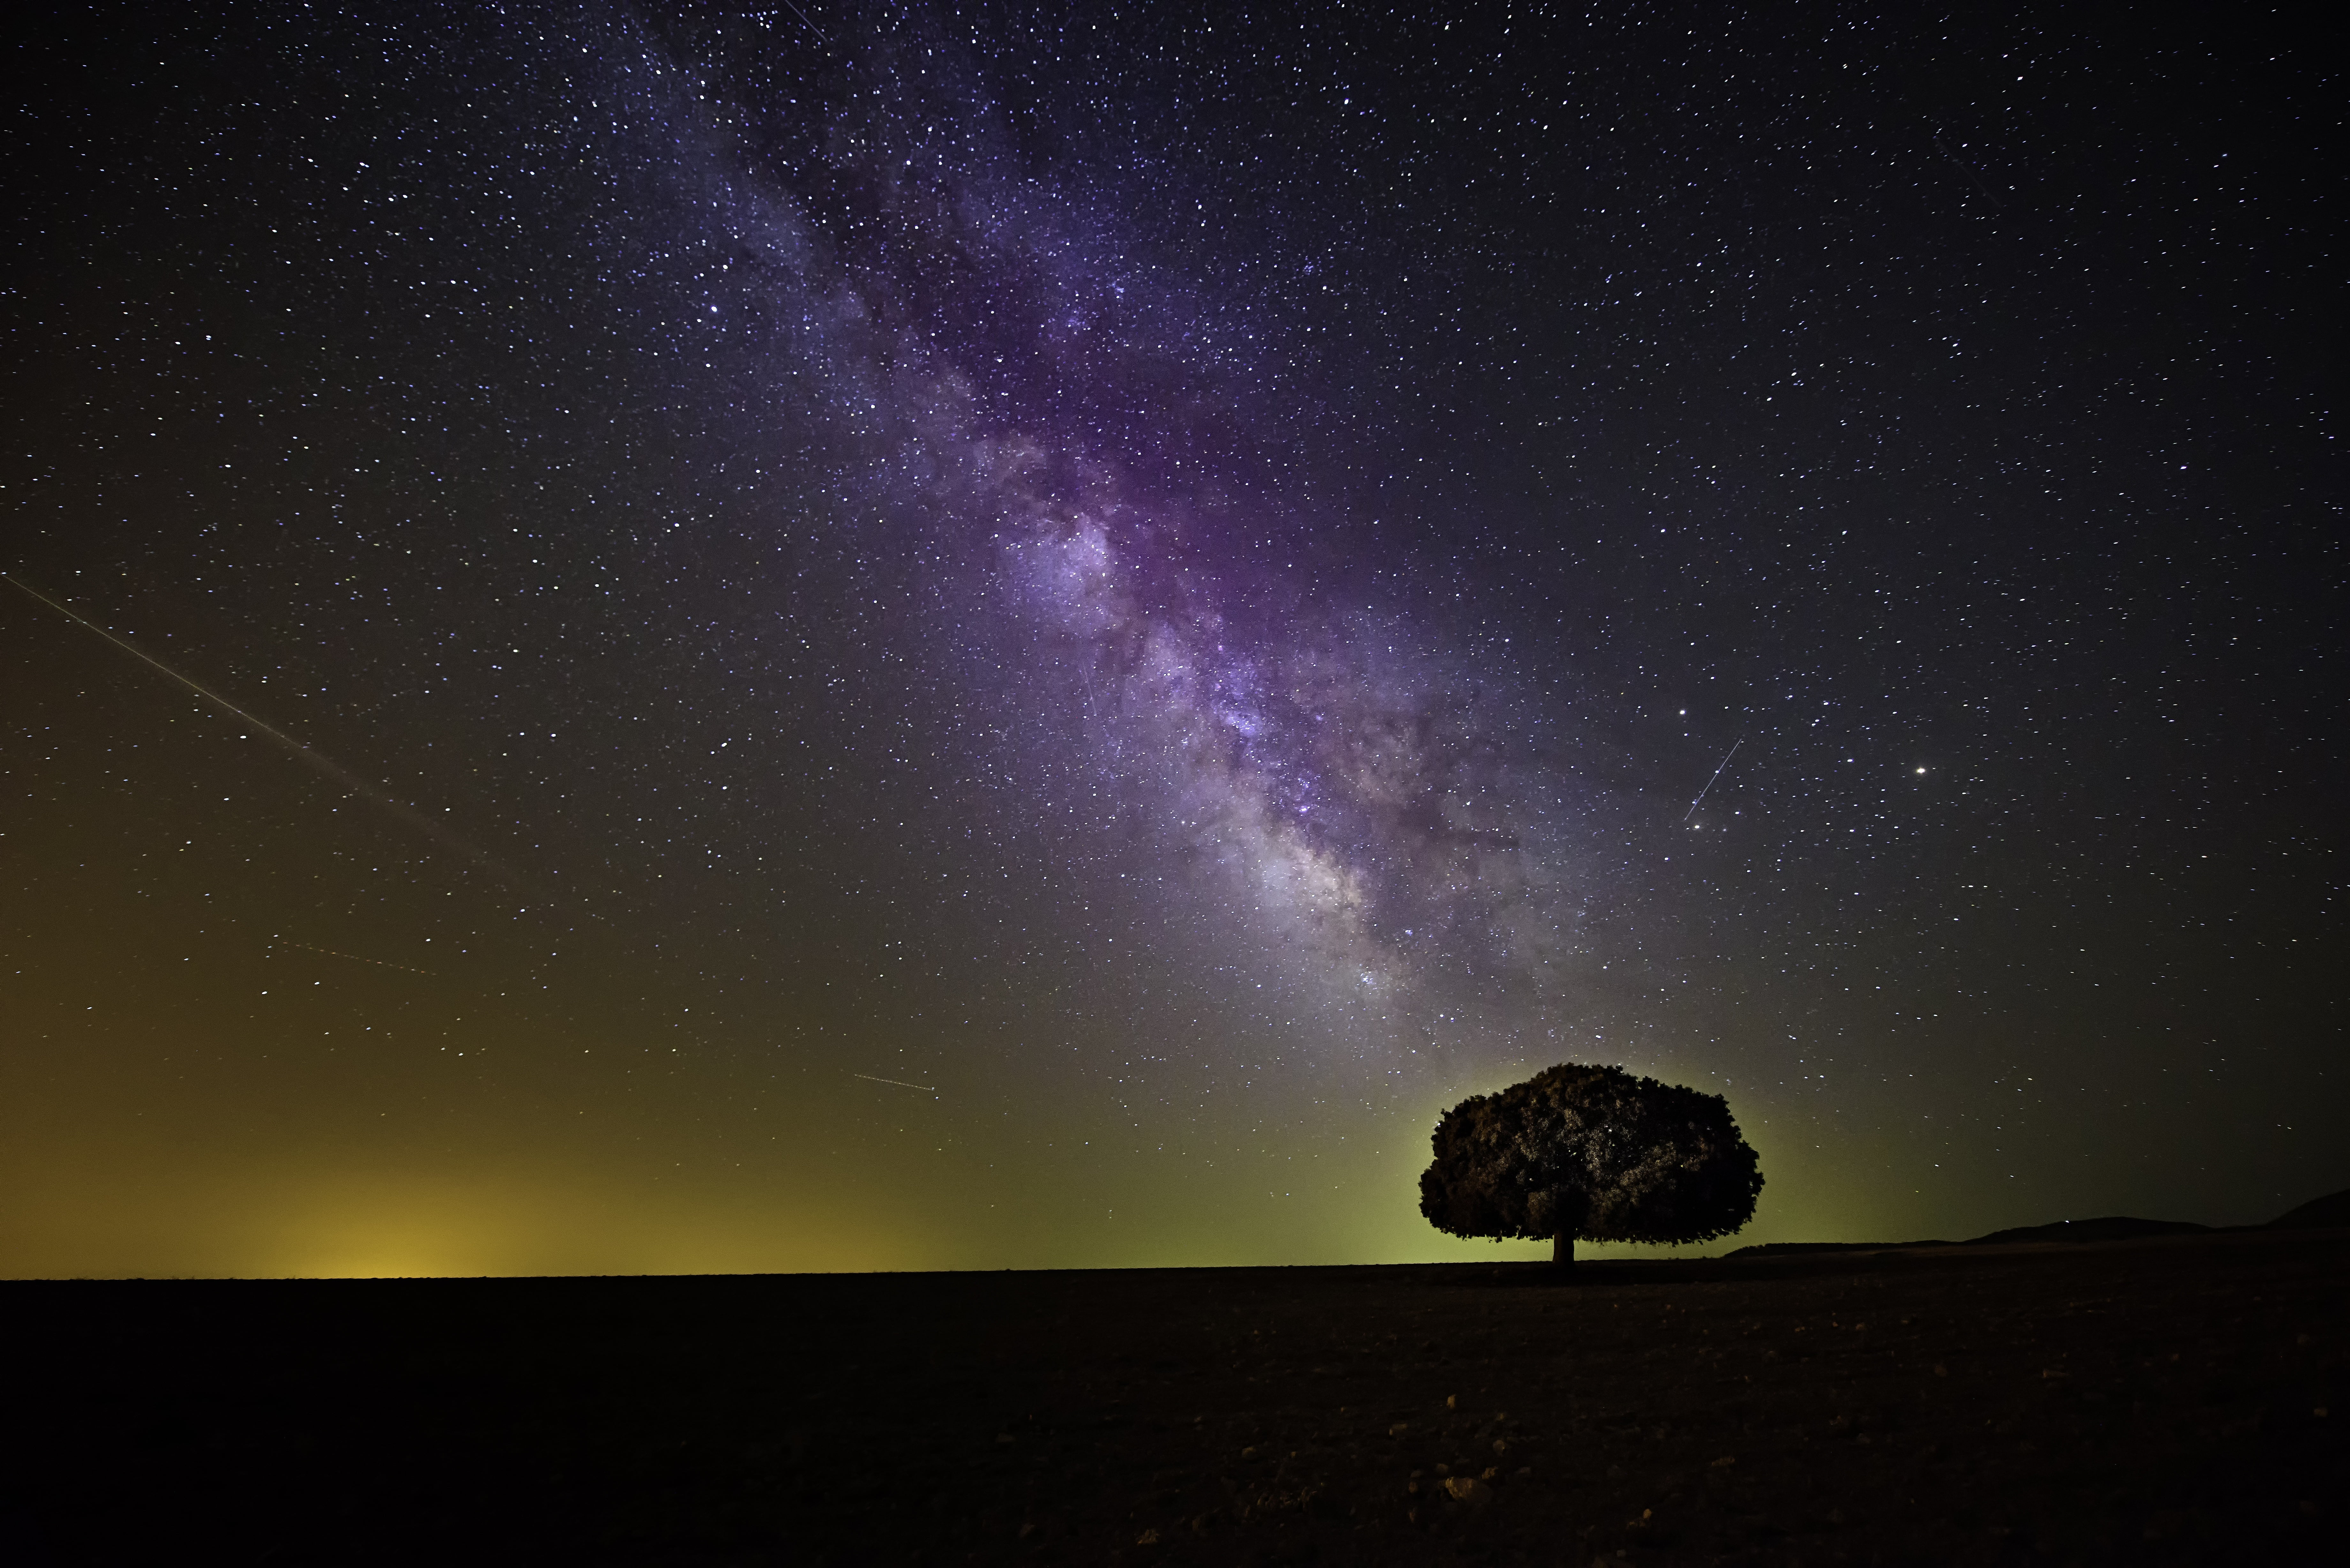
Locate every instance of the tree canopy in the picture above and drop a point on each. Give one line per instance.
(1591, 1153)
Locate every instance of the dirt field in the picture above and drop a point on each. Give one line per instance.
(2170, 1401)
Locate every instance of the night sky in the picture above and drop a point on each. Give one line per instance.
(1025, 637)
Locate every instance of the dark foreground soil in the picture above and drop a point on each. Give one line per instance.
(2152, 1402)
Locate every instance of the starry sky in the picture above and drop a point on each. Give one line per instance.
(760, 638)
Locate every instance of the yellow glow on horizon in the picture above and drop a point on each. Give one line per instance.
(394, 1221)
(584, 1203)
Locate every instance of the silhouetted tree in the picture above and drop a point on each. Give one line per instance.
(1591, 1152)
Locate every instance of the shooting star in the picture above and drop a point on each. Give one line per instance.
(1970, 172)
(317, 762)
(926, 1089)
(379, 964)
(1717, 774)
(811, 27)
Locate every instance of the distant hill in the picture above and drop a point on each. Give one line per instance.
(2112, 1228)
(2327, 1213)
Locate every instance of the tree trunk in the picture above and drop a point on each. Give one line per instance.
(1562, 1252)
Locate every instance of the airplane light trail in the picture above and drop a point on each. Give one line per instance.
(926, 1089)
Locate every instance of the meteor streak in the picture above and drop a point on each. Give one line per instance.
(926, 1089)
(317, 762)
(379, 964)
(1717, 774)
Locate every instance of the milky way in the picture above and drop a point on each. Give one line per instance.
(1344, 785)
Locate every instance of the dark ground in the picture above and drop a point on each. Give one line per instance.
(2157, 1401)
